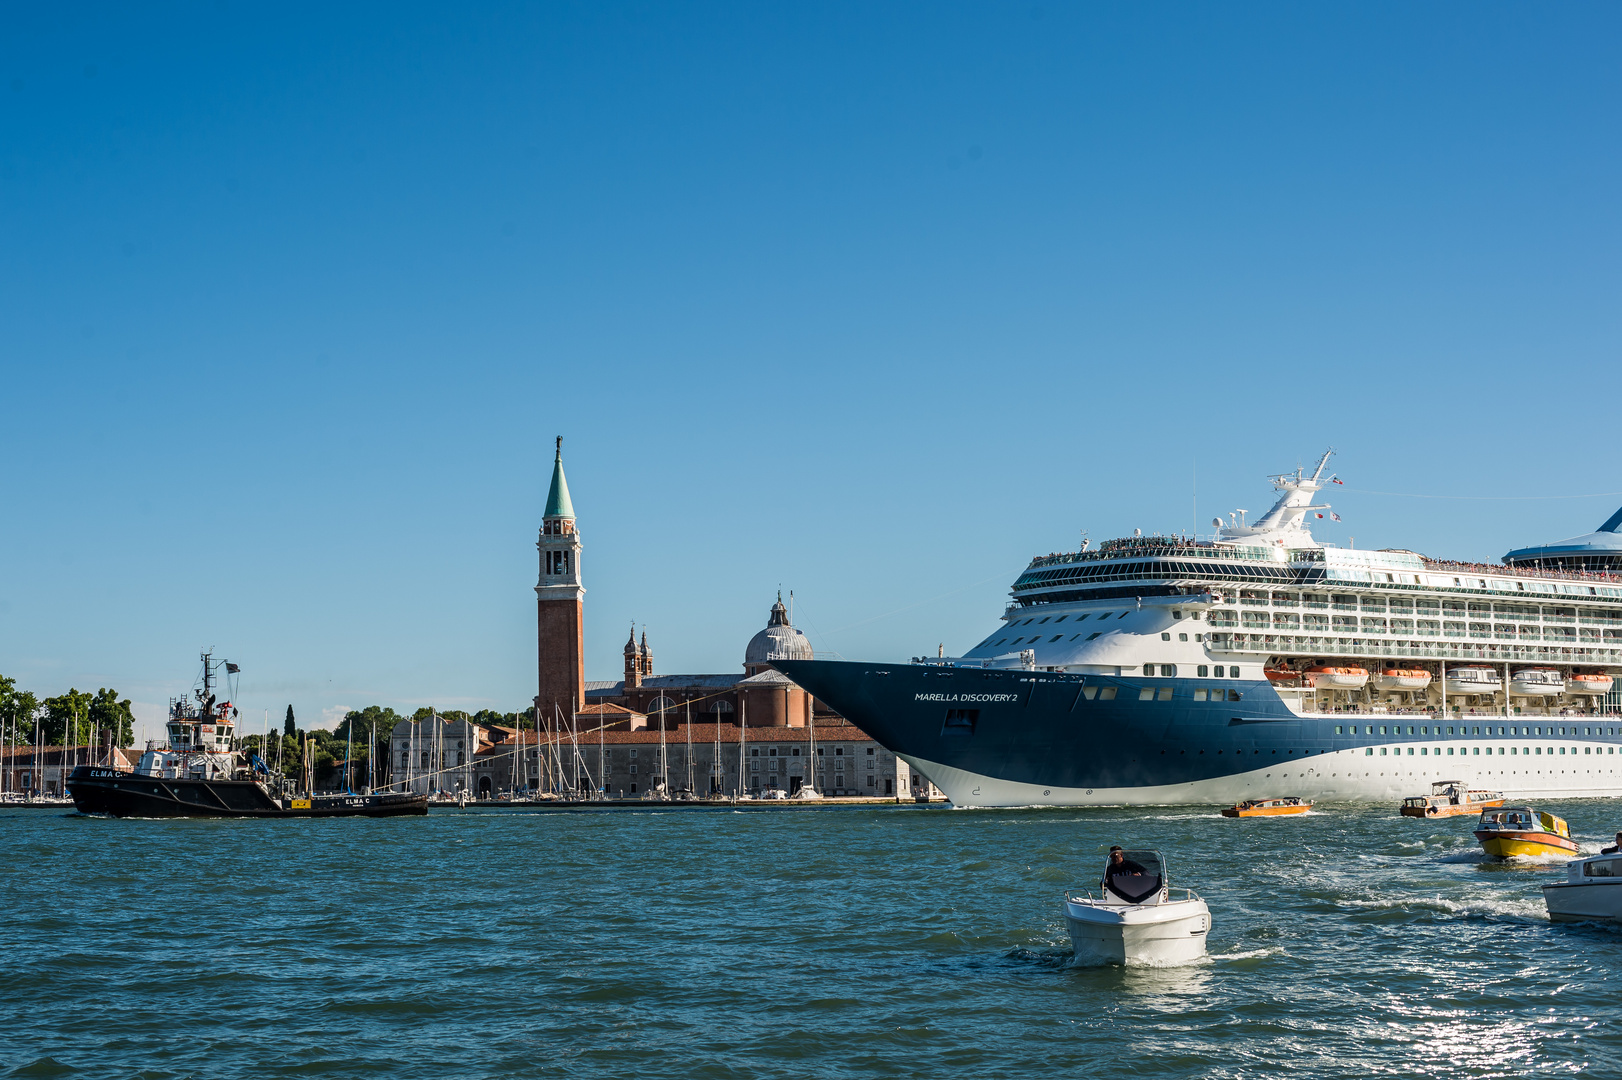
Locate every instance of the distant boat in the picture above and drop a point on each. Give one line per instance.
(200, 773)
(1450, 798)
(1268, 807)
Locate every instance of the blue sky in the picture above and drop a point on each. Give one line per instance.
(872, 302)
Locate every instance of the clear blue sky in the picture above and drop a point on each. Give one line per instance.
(869, 301)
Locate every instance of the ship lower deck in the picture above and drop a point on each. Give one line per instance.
(990, 737)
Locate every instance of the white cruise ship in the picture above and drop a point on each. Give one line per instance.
(1263, 663)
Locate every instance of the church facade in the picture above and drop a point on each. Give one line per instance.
(735, 729)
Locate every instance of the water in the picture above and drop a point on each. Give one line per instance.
(820, 943)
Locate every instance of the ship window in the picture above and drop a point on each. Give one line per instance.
(1079, 618)
(1073, 637)
(1199, 695)
(1107, 694)
(1410, 751)
(1382, 729)
(1146, 694)
(1091, 636)
(1016, 641)
(1056, 637)
(1382, 751)
(1202, 671)
(1060, 619)
(1045, 618)
(1168, 671)
(1089, 692)
(1102, 615)
(1148, 670)
(1164, 695)
(1000, 642)
(1369, 751)
(1176, 614)
(1165, 637)
(1421, 751)
(1450, 751)
(1219, 670)
(1123, 614)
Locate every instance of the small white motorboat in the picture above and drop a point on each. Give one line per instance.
(1592, 891)
(1138, 918)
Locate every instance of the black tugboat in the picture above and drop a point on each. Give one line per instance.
(201, 774)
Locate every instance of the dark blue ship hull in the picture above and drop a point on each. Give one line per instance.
(1017, 737)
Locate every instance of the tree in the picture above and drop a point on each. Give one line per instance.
(17, 710)
(108, 714)
(66, 718)
(288, 727)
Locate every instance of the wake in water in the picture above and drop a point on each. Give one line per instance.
(1513, 909)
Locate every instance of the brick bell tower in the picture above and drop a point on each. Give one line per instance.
(560, 606)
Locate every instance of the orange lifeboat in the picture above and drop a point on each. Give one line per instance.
(1402, 679)
(1588, 684)
(1336, 678)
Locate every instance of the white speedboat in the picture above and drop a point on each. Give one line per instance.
(1592, 891)
(1137, 918)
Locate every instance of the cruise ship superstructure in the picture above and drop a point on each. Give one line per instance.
(1264, 663)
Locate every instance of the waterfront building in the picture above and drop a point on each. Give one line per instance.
(43, 770)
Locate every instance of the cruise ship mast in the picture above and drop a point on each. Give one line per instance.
(1283, 525)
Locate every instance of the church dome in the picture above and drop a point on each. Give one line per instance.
(779, 641)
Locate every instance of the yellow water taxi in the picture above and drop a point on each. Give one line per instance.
(1521, 830)
(1268, 807)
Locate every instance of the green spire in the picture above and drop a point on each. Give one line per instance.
(557, 499)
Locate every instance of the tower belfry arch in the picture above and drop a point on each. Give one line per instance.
(560, 604)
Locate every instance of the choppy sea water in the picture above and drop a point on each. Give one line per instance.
(804, 943)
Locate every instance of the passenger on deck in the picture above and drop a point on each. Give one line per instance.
(1129, 880)
(1614, 849)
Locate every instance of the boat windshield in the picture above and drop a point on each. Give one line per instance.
(1138, 877)
(1516, 818)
